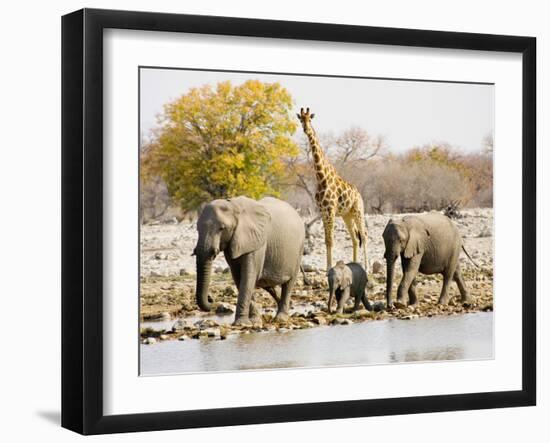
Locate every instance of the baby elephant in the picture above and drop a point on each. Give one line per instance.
(427, 243)
(345, 280)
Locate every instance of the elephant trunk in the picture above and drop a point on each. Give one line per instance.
(389, 280)
(204, 269)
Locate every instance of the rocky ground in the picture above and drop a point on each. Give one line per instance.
(168, 281)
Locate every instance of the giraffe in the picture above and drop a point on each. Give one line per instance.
(335, 197)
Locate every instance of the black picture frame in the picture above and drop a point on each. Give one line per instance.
(82, 219)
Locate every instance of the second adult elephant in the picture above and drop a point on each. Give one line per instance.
(262, 242)
(428, 243)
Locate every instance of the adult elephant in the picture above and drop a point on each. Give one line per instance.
(262, 242)
(427, 243)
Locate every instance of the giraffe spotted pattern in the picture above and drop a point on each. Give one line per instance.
(335, 197)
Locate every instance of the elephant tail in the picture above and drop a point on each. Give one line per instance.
(468, 255)
(307, 282)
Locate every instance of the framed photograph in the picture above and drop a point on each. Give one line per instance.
(269, 221)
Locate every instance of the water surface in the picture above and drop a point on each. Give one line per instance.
(456, 337)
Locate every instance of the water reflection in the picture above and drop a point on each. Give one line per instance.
(392, 341)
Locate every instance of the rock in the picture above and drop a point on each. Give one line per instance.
(149, 341)
(182, 324)
(229, 291)
(159, 256)
(206, 324)
(361, 313)
(183, 338)
(224, 308)
(164, 337)
(377, 267)
(183, 272)
(154, 274)
(309, 267)
(212, 332)
(321, 321)
(160, 316)
(485, 232)
(219, 269)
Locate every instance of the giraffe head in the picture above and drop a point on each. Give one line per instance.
(305, 117)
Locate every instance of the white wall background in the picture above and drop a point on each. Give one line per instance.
(30, 216)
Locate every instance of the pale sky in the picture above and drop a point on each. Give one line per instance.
(406, 113)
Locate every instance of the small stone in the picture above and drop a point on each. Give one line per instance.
(212, 332)
(159, 316)
(183, 338)
(309, 267)
(224, 308)
(206, 324)
(183, 272)
(229, 291)
(164, 337)
(321, 321)
(149, 341)
(218, 270)
(377, 267)
(154, 274)
(182, 324)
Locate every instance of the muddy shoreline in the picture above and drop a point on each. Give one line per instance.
(172, 300)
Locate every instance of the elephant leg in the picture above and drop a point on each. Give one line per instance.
(350, 226)
(466, 297)
(273, 293)
(342, 301)
(413, 299)
(410, 269)
(444, 296)
(284, 303)
(357, 304)
(328, 223)
(247, 285)
(255, 314)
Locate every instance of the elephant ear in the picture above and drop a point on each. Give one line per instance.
(346, 277)
(252, 220)
(416, 243)
(386, 229)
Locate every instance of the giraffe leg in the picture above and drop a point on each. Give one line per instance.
(328, 222)
(353, 234)
(364, 239)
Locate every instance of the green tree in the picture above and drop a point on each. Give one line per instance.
(222, 141)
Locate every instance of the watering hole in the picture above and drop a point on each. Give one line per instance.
(456, 337)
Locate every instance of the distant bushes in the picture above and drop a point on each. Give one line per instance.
(425, 179)
(421, 179)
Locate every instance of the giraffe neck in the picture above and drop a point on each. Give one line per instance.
(322, 166)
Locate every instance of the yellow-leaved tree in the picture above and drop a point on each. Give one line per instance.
(221, 141)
